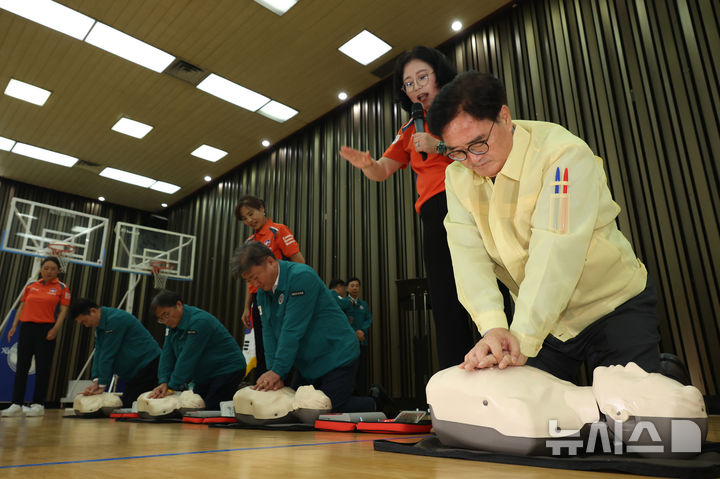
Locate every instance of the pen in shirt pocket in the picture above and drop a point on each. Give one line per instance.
(564, 203)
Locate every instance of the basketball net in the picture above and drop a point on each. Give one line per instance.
(60, 251)
(158, 270)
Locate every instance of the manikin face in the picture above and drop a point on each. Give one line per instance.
(49, 271)
(417, 71)
(170, 316)
(465, 129)
(625, 391)
(252, 217)
(89, 320)
(353, 288)
(263, 276)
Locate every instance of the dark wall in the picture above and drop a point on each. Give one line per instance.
(637, 80)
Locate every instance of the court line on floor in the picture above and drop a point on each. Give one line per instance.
(200, 452)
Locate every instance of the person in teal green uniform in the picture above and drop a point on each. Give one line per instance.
(339, 289)
(362, 319)
(303, 327)
(123, 346)
(197, 349)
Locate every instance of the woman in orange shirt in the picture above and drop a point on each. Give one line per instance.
(276, 236)
(42, 310)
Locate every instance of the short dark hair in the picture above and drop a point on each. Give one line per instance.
(334, 282)
(164, 299)
(251, 202)
(51, 258)
(481, 95)
(252, 253)
(354, 278)
(81, 306)
(444, 71)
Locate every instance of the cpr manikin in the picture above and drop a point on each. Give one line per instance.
(505, 410)
(523, 410)
(280, 406)
(174, 404)
(88, 405)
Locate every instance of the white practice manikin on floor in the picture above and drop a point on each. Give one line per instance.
(187, 400)
(282, 406)
(90, 404)
(521, 410)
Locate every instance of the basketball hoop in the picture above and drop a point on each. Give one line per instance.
(158, 269)
(60, 250)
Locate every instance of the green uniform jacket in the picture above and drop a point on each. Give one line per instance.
(362, 318)
(122, 346)
(198, 349)
(303, 325)
(344, 303)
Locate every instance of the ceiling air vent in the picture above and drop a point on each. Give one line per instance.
(89, 166)
(186, 72)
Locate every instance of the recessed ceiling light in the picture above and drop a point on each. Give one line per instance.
(164, 205)
(209, 153)
(164, 187)
(129, 48)
(365, 47)
(44, 155)
(127, 177)
(277, 6)
(342, 95)
(6, 143)
(265, 143)
(52, 15)
(132, 128)
(456, 25)
(277, 111)
(101, 198)
(208, 179)
(232, 92)
(27, 92)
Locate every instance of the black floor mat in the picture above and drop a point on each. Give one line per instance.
(706, 464)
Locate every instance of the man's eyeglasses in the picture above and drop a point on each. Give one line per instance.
(418, 82)
(163, 317)
(476, 148)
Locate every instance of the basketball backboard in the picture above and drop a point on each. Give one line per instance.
(139, 248)
(38, 229)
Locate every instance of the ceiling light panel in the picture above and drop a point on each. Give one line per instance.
(6, 144)
(127, 177)
(365, 47)
(277, 111)
(209, 153)
(27, 92)
(44, 155)
(129, 48)
(132, 128)
(277, 6)
(52, 15)
(232, 92)
(164, 187)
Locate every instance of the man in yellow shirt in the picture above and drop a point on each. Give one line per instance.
(528, 204)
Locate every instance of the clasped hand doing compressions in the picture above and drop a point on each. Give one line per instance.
(497, 347)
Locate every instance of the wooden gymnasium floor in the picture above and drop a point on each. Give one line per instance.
(51, 446)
